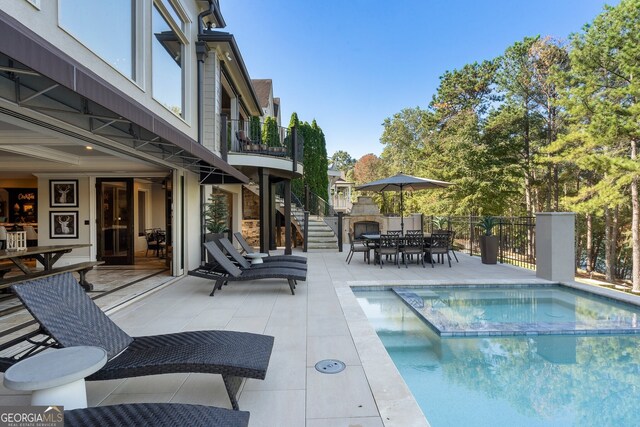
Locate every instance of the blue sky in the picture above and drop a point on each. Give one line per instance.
(352, 63)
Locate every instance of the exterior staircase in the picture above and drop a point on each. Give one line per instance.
(321, 236)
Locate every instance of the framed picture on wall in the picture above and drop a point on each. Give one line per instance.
(63, 225)
(63, 194)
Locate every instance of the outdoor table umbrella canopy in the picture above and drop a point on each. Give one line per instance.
(402, 182)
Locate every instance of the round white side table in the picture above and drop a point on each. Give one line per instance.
(57, 377)
(256, 257)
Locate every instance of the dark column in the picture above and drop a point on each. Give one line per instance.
(306, 231)
(272, 216)
(224, 143)
(287, 217)
(263, 177)
(340, 231)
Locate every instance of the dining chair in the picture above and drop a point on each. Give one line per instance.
(32, 235)
(358, 245)
(389, 245)
(438, 245)
(413, 244)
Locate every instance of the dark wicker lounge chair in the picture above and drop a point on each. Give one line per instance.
(156, 415)
(234, 274)
(246, 247)
(244, 264)
(71, 318)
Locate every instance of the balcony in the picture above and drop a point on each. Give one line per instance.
(255, 138)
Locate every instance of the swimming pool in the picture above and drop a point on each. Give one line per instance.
(524, 380)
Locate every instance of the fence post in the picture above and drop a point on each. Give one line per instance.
(470, 235)
(306, 232)
(500, 245)
(555, 246)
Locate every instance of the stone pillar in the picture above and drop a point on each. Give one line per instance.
(555, 246)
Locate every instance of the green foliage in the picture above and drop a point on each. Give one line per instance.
(342, 161)
(270, 135)
(216, 213)
(440, 222)
(254, 130)
(314, 160)
(487, 223)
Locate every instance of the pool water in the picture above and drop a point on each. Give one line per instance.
(534, 380)
(518, 310)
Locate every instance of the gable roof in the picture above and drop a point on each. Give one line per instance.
(263, 88)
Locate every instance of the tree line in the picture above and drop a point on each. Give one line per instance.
(546, 126)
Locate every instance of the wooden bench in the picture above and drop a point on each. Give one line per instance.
(81, 268)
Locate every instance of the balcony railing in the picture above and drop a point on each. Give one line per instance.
(244, 136)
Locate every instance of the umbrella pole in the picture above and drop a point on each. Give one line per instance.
(401, 212)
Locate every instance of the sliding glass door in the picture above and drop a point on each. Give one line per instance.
(115, 220)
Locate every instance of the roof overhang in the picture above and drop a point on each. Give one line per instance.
(235, 67)
(35, 76)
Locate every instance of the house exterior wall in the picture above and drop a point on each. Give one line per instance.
(211, 103)
(43, 21)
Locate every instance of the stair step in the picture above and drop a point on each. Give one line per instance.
(321, 246)
(321, 234)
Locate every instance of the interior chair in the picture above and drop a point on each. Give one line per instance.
(157, 415)
(244, 264)
(65, 313)
(3, 237)
(413, 245)
(224, 270)
(358, 246)
(153, 245)
(438, 245)
(389, 245)
(246, 247)
(32, 235)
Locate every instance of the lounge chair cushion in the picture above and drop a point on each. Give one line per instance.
(66, 313)
(271, 258)
(155, 414)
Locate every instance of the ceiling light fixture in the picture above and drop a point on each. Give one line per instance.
(88, 147)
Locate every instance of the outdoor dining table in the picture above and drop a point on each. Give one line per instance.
(372, 240)
(46, 255)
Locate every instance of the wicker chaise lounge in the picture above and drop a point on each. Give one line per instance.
(244, 264)
(234, 274)
(271, 258)
(156, 415)
(71, 318)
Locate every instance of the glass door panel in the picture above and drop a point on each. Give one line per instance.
(115, 220)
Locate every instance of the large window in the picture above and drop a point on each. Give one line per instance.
(105, 27)
(168, 57)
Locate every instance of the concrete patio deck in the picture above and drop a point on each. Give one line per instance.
(322, 321)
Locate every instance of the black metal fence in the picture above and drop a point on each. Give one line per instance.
(516, 236)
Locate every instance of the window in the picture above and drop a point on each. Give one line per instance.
(167, 58)
(105, 27)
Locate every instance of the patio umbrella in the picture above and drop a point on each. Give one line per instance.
(402, 182)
